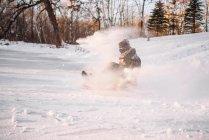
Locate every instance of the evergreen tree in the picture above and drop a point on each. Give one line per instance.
(158, 23)
(193, 16)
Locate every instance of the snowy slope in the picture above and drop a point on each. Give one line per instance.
(42, 94)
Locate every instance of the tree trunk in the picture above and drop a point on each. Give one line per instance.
(142, 20)
(206, 17)
(32, 33)
(53, 21)
(194, 25)
(98, 10)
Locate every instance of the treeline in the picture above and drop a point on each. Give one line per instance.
(178, 17)
(54, 21)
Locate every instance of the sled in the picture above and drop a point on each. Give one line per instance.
(113, 80)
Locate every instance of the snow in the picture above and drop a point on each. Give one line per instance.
(42, 95)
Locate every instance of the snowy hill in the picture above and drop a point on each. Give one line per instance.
(42, 94)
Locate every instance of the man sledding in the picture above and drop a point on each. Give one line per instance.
(128, 58)
(122, 71)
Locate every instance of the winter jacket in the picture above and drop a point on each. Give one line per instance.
(129, 59)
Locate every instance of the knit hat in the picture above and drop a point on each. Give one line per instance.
(124, 45)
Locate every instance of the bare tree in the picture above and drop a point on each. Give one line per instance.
(142, 20)
(18, 7)
(32, 24)
(206, 15)
(12, 16)
(53, 20)
(141, 8)
(94, 8)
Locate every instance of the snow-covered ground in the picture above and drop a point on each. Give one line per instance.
(42, 95)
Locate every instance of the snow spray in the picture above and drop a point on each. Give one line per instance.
(104, 45)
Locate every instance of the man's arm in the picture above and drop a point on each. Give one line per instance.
(128, 54)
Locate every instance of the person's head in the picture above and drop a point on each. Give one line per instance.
(124, 45)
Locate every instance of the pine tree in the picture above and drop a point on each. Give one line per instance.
(193, 16)
(158, 23)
